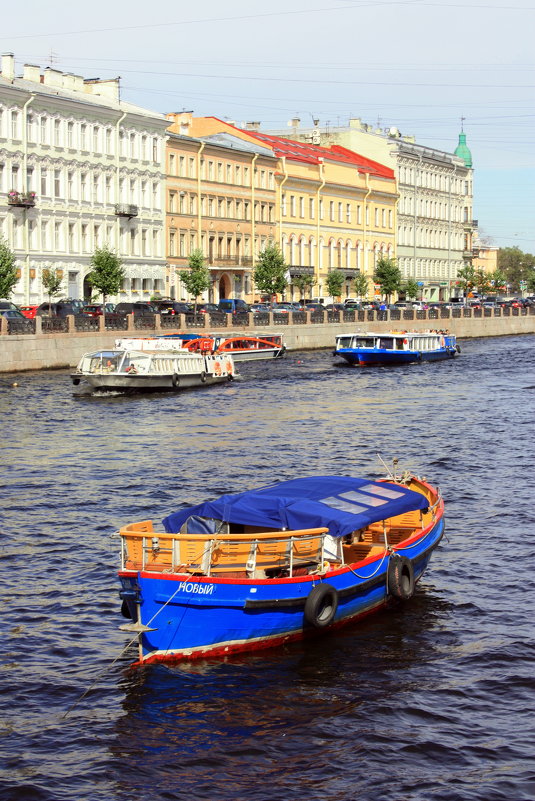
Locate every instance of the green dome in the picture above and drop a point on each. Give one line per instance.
(462, 150)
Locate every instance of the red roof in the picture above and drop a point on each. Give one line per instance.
(314, 154)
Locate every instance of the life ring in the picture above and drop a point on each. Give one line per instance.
(400, 577)
(203, 377)
(176, 380)
(321, 605)
(405, 341)
(217, 368)
(442, 342)
(229, 367)
(458, 348)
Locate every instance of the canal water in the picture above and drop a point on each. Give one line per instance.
(429, 700)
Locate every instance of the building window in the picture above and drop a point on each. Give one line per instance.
(83, 136)
(57, 133)
(154, 149)
(14, 124)
(83, 186)
(331, 210)
(70, 135)
(44, 126)
(96, 139)
(292, 205)
(44, 182)
(219, 171)
(192, 168)
(57, 183)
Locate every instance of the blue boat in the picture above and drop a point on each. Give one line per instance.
(396, 347)
(276, 564)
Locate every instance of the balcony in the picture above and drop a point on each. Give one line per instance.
(230, 261)
(22, 199)
(126, 210)
(297, 270)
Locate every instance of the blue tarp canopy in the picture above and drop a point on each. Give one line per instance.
(339, 503)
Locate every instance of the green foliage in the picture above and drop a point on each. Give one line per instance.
(466, 279)
(304, 283)
(8, 270)
(517, 266)
(360, 282)
(196, 278)
(52, 281)
(410, 288)
(387, 275)
(270, 271)
(334, 283)
(107, 273)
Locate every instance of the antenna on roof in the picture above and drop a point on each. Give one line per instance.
(53, 58)
(462, 125)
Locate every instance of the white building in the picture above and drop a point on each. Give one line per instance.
(79, 168)
(434, 213)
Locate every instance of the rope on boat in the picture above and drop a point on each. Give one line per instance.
(127, 646)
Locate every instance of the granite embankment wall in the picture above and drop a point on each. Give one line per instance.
(19, 352)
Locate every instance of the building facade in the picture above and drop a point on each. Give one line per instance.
(79, 169)
(434, 213)
(334, 209)
(221, 198)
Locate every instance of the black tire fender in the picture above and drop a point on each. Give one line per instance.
(400, 577)
(176, 380)
(75, 381)
(321, 605)
(203, 377)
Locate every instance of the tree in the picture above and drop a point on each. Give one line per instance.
(388, 276)
(334, 282)
(304, 283)
(197, 278)
(52, 281)
(410, 288)
(8, 270)
(360, 282)
(516, 265)
(466, 279)
(270, 271)
(107, 274)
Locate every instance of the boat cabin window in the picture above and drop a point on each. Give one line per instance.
(344, 342)
(386, 343)
(105, 362)
(363, 342)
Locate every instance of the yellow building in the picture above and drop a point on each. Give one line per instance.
(221, 197)
(334, 209)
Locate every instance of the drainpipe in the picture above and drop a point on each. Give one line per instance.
(366, 196)
(253, 226)
(318, 195)
(117, 182)
(199, 211)
(285, 172)
(417, 173)
(25, 243)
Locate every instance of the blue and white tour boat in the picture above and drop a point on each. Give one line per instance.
(276, 564)
(396, 347)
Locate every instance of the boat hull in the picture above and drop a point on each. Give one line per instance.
(189, 616)
(145, 383)
(358, 356)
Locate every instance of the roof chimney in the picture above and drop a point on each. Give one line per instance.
(253, 126)
(32, 73)
(8, 66)
(52, 77)
(294, 122)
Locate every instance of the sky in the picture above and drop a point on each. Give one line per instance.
(425, 68)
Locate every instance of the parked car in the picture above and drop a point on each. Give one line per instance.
(260, 307)
(207, 308)
(29, 311)
(139, 307)
(233, 305)
(283, 307)
(6, 304)
(76, 303)
(96, 309)
(171, 307)
(60, 309)
(336, 307)
(315, 307)
(12, 314)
